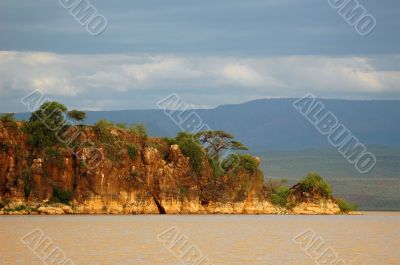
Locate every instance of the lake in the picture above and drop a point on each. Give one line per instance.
(373, 238)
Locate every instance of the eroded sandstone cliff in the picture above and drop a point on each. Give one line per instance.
(157, 178)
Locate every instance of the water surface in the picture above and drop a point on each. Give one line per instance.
(371, 239)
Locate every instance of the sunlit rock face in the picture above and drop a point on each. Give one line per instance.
(158, 179)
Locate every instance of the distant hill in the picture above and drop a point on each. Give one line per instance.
(328, 162)
(273, 124)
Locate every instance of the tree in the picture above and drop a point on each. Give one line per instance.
(45, 123)
(215, 141)
(77, 115)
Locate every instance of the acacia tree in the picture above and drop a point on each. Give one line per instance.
(77, 115)
(216, 141)
(44, 124)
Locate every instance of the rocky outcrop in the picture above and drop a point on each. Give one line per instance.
(158, 179)
(316, 208)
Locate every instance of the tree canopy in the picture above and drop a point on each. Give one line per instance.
(215, 141)
(44, 123)
(77, 115)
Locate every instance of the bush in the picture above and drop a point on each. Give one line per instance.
(7, 117)
(60, 195)
(346, 206)
(102, 128)
(139, 129)
(132, 151)
(279, 196)
(103, 125)
(192, 149)
(236, 162)
(314, 183)
(248, 163)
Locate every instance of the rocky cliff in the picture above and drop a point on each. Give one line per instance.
(133, 175)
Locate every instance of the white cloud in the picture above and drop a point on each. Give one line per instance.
(73, 75)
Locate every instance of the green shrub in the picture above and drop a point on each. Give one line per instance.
(248, 163)
(60, 195)
(7, 117)
(139, 129)
(102, 128)
(279, 196)
(315, 183)
(192, 149)
(236, 162)
(346, 206)
(103, 125)
(132, 151)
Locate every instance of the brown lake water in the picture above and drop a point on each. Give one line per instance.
(371, 239)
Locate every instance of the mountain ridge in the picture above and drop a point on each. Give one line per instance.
(275, 124)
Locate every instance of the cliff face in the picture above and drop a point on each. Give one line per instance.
(157, 178)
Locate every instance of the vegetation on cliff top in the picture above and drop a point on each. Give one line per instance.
(44, 123)
(211, 149)
(77, 115)
(315, 184)
(7, 117)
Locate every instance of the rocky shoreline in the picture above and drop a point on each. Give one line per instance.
(172, 207)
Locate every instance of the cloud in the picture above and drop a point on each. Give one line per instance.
(71, 76)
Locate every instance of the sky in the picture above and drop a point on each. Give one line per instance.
(208, 52)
